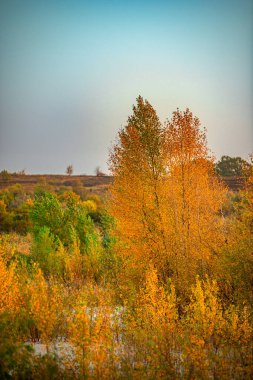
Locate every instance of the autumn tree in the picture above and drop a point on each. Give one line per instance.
(165, 196)
(194, 198)
(233, 166)
(136, 163)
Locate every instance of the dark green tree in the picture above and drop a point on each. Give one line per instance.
(232, 167)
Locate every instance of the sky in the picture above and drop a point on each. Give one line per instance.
(70, 72)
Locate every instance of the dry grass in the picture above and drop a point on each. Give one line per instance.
(93, 184)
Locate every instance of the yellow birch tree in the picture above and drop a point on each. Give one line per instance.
(165, 196)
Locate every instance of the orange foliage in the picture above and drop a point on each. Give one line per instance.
(45, 306)
(215, 343)
(91, 333)
(165, 196)
(10, 297)
(152, 328)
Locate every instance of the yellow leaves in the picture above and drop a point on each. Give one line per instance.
(45, 300)
(155, 305)
(90, 205)
(78, 326)
(151, 327)
(212, 336)
(74, 263)
(2, 207)
(30, 202)
(147, 338)
(90, 330)
(197, 341)
(70, 196)
(9, 295)
(238, 327)
(204, 311)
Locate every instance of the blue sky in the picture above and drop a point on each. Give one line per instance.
(70, 72)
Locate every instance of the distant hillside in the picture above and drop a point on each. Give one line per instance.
(94, 184)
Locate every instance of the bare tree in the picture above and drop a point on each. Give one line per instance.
(69, 170)
(99, 172)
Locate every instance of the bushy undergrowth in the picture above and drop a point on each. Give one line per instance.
(63, 287)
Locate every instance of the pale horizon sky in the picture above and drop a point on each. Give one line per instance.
(70, 72)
